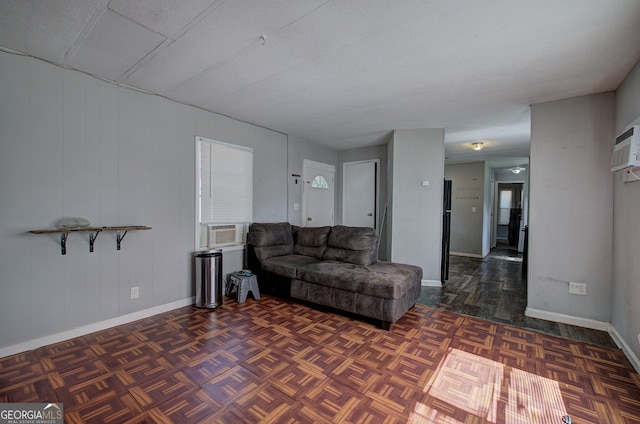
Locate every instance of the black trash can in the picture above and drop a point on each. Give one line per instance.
(209, 279)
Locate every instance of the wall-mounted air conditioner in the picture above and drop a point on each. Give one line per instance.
(221, 235)
(625, 152)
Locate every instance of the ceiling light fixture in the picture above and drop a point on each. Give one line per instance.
(517, 170)
(476, 146)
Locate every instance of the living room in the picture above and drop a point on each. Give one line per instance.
(76, 145)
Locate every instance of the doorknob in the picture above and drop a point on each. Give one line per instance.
(370, 214)
(309, 218)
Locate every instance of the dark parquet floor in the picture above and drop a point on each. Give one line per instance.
(276, 361)
(494, 288)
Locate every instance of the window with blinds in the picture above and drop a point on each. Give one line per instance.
(225, 182)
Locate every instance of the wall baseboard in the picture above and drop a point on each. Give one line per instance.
(589, 323)
(97, 326)
(626, 349)
(466, 255)
(567, 319)
(431, 283)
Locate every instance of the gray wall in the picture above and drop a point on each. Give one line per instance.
(417, 155)
(72, 145)
(625, 316)
(298, 150)
(366, 153)
(571, 197)
(467, 193)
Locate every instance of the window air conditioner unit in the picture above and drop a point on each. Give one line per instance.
(221, 235)
(625, 152)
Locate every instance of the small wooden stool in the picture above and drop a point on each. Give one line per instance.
(243, 284)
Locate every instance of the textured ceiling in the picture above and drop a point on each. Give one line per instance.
(346, 73)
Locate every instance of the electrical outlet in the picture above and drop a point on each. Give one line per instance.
(577, 288)
(135, 292)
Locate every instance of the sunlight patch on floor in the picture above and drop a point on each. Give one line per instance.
(533, 399)
(469, 384)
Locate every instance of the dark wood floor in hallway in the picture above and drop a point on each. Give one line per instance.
(494, 288)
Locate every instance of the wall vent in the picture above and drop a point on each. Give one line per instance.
(625, 151)
(226, 234)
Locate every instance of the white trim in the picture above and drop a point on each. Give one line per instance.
(431, 283)
(97, 326)
(197, 175)
(223, 248)
(222, 143)
(196, 182)
(495, 207)
(466, 255)
(567, 319)
(626, 349)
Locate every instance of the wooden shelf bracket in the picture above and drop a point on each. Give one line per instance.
(93, 234)
(92, 239)
(119, 239)
(63, 242)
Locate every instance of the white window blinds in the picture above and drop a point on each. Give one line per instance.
(226, 182)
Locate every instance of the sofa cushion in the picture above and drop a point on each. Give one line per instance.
(271, 239)
(387, 280)
(285, 266)
(356, 245)
(311, 241)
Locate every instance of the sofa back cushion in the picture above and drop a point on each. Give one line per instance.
(356, 245)
(271, 239)
(311, 241)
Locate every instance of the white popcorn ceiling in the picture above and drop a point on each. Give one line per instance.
(346, 73)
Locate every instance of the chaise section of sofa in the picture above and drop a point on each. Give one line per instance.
(332, 266)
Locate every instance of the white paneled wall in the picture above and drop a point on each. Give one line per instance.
(72, 145)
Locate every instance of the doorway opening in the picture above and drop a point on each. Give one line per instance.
(508, 219)
(360, 194)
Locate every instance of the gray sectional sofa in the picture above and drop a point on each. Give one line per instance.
(332, 266)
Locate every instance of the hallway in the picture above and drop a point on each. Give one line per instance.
(494, 288)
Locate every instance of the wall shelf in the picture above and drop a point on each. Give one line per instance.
(120, 231)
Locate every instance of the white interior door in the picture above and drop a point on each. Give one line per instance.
(360, 193)
(318, 194)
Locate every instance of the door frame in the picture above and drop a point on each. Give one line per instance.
(306, 165)
(376, 223)
(495, 207)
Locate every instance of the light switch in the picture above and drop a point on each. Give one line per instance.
(425, 183)
(296, 206)
(473, 209)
